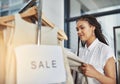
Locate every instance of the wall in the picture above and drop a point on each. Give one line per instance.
(74, 11)
(107, 23)
(54, 11)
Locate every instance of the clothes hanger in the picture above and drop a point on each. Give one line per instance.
(2, 25)
(62, 35)
(31, 12)
(5, 19)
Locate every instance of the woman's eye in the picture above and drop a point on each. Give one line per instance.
(82, 27)
(77, 29)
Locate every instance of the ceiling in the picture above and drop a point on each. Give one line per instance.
(93, 4)
(99, 4)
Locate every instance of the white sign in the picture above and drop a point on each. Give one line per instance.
(42, 64)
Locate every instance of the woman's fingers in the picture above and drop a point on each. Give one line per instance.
(83, 68)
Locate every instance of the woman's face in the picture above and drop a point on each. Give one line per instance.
(85, 30)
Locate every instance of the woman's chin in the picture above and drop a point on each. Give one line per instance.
(82, 39)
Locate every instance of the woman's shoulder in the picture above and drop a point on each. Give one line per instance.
(106, 52)
(104, 46)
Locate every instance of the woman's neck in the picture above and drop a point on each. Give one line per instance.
(89, 41)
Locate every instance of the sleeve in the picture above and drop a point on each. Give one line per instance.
(107, 52)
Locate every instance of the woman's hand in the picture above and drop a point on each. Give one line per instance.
(109, 76)
(88, 70)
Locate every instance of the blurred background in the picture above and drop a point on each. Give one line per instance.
(63, 13)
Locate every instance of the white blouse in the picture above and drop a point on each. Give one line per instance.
(97, 55)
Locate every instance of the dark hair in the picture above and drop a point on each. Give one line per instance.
(93, 21)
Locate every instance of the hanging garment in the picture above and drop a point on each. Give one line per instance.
(25, 30)
(2, 58)
(10, 59)
(75, 62)
(7, 60)
(48, 37)
(26, 33)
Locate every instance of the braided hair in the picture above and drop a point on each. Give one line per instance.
(93, 21)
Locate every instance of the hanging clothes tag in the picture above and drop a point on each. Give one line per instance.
(41, 64)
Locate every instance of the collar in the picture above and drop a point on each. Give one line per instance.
(92, 45)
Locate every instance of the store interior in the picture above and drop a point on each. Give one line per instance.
(63, 14)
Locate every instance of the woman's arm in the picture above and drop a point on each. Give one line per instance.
(109, 70)
(110, 73)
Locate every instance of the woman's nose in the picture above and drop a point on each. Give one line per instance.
(79, 31)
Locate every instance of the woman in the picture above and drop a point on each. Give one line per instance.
(99, 66)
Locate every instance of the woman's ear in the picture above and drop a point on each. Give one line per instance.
(93, 30)
(93, 27)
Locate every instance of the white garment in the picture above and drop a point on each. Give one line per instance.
(26, 33)
(97, 55)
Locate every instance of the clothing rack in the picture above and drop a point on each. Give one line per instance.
(39, 21)
(39, 6)
(29, 4)
(30, 12)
